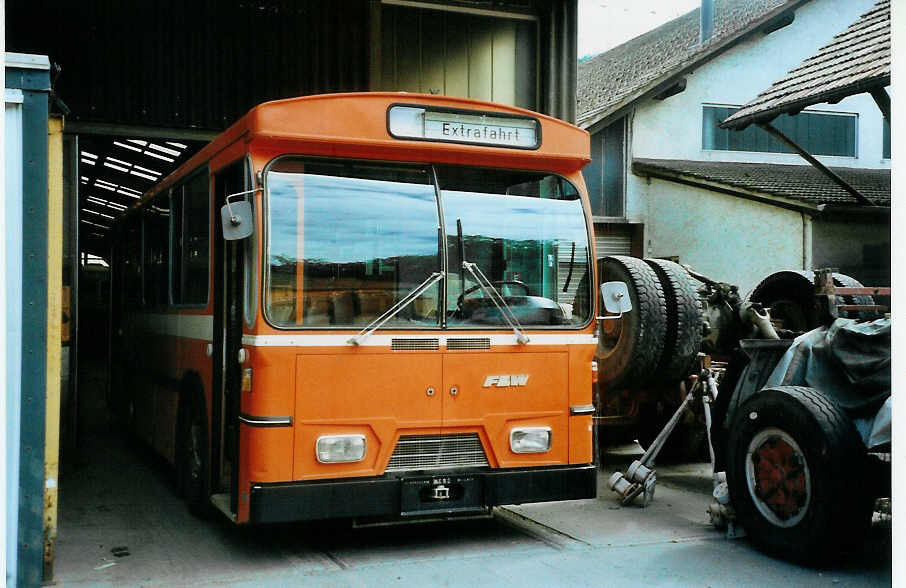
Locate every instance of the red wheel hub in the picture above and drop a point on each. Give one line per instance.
(780, 478)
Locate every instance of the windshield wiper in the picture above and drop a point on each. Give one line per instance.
(491, 292)
(396, 308)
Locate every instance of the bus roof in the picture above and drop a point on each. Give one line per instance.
(326, 123)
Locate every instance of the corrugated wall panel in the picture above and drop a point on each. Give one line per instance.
(570, 267)
(613, 243)
(455, 54)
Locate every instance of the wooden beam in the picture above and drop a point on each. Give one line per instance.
(774, 132)
(882, 100)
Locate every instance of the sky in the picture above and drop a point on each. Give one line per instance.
(607, 23)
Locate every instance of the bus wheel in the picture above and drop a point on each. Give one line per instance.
(192, 462)
(629, 348)
(796, 473)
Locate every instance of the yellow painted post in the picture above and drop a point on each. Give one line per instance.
(54, 321)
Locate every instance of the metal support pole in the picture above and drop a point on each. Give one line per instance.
(774, 132)
(882, 100)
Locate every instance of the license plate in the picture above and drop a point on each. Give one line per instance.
(442, 494)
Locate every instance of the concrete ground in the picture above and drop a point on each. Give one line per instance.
(121, 524)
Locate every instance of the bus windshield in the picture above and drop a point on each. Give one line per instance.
(526, 232)
(346, 240)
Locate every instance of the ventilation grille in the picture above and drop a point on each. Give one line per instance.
(429, 452)
(414, 344)
(469, 343)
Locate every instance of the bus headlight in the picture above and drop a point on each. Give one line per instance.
(530, 439)
(340, 448)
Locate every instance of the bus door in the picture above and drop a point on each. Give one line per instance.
(227, 368)
(510, 228)
(347, 243)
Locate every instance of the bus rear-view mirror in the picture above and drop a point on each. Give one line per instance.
(616, 297)
(236, 218)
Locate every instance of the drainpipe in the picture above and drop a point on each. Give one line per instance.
(806, 241)
(706, 21)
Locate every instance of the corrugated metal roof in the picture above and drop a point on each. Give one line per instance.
(192, 65)
(856, 61)
(801, 183)
(608, 80)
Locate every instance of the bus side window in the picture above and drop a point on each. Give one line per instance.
(191, 225)
(132, 267)
(156, 219)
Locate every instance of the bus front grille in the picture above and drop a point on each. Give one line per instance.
(399, 344)
(429, 452)
(469, 343)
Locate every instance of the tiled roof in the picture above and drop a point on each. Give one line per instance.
(802, 183)
(606, 81)
(857, 60)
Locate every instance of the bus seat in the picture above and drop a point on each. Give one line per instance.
(316, 310)
(343, 308)
(373, 305)
(425, 308)
(283, 311)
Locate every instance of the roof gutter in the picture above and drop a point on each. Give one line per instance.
(850, 212)
(597, 120)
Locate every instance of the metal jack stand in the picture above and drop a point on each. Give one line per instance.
(720, 511)
(639, 477)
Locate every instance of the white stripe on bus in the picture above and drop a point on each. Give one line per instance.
(201, 326)
(314, 340)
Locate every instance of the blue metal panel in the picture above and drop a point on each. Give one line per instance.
(35, 84)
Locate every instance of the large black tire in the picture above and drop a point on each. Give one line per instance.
(629, 348)
(192, 464)
(790, 297)
(844, 281)
(683, 335)
(796, 475)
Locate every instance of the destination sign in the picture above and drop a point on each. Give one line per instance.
(412, 122)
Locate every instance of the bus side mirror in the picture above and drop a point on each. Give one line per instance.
(616, 299)
(236, 218)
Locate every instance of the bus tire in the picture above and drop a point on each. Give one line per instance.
(629, 348)
(683, 335)
(193, 479)
(795, 472)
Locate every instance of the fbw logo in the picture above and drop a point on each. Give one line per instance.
(508, 380)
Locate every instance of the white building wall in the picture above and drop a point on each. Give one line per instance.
(672, 128)
(727, 238)
(735, 240)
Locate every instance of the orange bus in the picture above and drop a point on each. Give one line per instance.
(371, 306)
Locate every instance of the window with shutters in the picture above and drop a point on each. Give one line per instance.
(819, 133)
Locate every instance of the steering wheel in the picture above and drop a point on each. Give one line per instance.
(497, 285)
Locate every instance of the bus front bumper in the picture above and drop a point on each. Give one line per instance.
(418, 493)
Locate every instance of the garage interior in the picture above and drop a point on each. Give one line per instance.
(142, 87)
